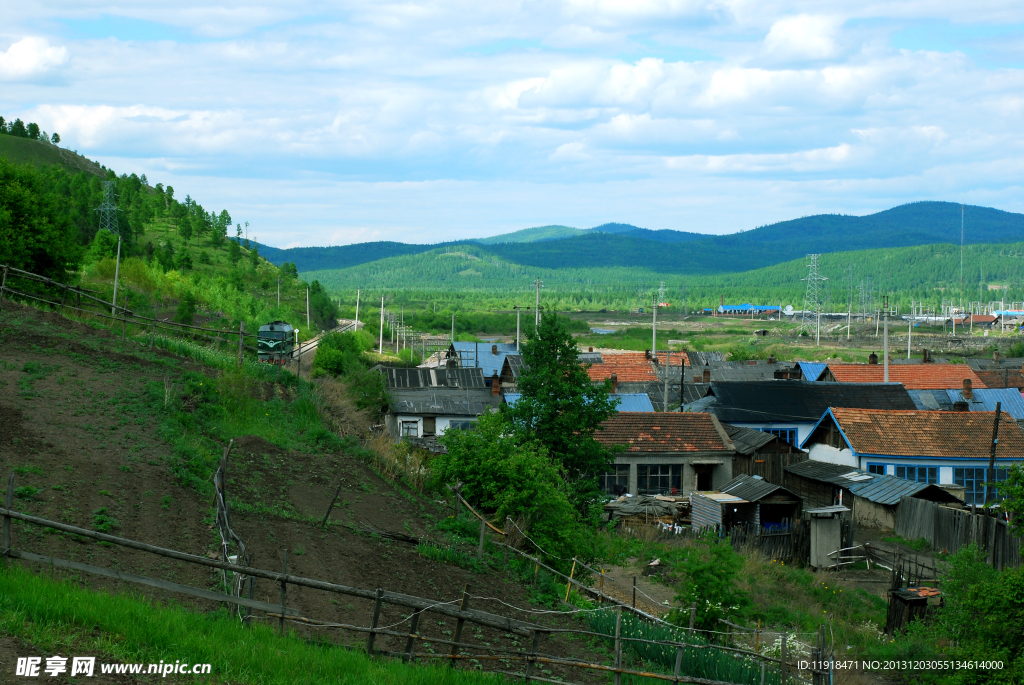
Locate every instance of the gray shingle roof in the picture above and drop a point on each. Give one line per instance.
(444, 401)
(752, 488)
(747, 440)
(877, 488)
(758, 402)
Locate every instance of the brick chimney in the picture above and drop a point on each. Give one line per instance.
(495, 384)
(926, 356)
(590, 349)
(872, 358)
(615, 382)
(707, 375)
(494, 349)
(960, 405)
(968, 391)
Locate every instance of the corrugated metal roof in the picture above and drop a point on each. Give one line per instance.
(514, 362)
(439, 377)
(444, 401)
(747, 440)
(812, 370)
(751, 488)
(481, 355)
(984, 399)
(874, 487)
(796, 401)
(632, 402)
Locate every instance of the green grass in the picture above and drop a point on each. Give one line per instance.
(57, 616)
(918, 545)
(449, 555)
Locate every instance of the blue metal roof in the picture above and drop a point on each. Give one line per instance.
(874, 487)
(984, 399)
(628, 401)
(812, 370)
(478, 355)
(749, 308)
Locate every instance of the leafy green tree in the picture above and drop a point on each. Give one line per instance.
(234, 251)
(561, 408)
(183, 262)
(185, 228)
(709, 571)
(37, 232)
(170, 193)
(512, 477)
(32, 130)
(18, 129)
(1013, 490)
(322, 308)
(254, 255)
(186, 308)
(103, 245)
(55, 138)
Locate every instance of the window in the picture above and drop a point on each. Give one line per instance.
(659, 479)
(974, 479)
(461, 425)
(615, 482)
(410, 429)
(877, 468)
(921, 474)
(786, 434)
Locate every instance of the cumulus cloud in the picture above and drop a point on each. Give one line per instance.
(351, 119)
(31, 57)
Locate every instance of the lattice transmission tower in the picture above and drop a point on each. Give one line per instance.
(108, 222)
(814, 298)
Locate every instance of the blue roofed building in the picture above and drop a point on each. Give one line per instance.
(977, 399)
(629, 401)
(812, 370)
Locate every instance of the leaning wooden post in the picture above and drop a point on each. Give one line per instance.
(152, 326)
(480, 547)
(568, 585)
(600, 596)
(63, 299)
(618, 645)
(679, 663)
(241, 337)
(507, 519)
(9, 504)
(331, 506)
(378, 600)
(413, 627)
(459, 624)
(634, 592)
(3, 284)
(693, 617)
(252, 592)
(783, 664)
(284, 590)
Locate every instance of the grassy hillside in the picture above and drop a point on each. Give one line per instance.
(40, 154)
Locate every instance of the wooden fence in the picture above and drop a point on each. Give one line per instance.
(458, 648)
(950, 530)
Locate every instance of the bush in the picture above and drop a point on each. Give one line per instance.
(186, 308)
(709, 571)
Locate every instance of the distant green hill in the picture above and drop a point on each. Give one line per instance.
(39, 154)
(529, 235)
(678, 252)
(926, 273)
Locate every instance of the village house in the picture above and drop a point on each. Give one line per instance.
(872, 498)
(745, 500)
(912, 376)
(999, 372)
(933, 447)
(790, 409)
(665, 453)
(427, 402)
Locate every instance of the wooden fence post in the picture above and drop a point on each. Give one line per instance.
(568, 585)
(634, 592)
(413, 627)
(152, 326)
(533, 653)
(241, 337)
(618, 644)
(284, 590)
(693, 617)
(373, 622)
(9, 504)
(331, 506)
(507, 519)
(252, 592)
(3, 284)
(679, 663)
(63, 298)
(784, 666)
(480, 547)
(459, 624)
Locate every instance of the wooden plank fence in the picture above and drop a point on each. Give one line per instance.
(950, 530)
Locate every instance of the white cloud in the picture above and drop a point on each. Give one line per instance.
(804, 37)
(30, 57)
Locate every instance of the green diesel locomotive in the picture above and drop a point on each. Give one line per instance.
(275, 342)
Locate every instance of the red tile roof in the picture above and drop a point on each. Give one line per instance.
(912, 376)
(664, 432)
(629, 367)
(966, 434)
(1001, 378)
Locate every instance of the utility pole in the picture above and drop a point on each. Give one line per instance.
(885, 339)
(380, 345)
(357, 309)
(453, 328)
(910, 327)
(518, 312)
(849, 314)
(654, 333)
(668, 365)
(536, 316)
(108, 221)
(307, 307)
(990, 474)
(278, 291)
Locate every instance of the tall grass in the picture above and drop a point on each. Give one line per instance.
(57, 616)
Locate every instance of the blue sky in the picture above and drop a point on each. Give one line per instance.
(333, 123)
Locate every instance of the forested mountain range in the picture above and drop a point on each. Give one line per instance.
(678, 252)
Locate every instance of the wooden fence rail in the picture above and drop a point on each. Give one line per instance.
(379, 597)
(953, 529)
